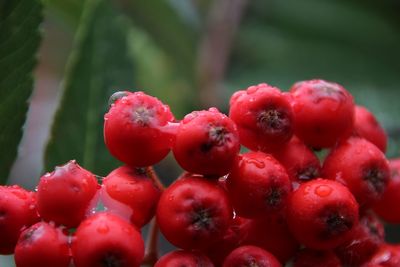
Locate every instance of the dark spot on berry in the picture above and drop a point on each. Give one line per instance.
(142, 116)
(206, 147)
(141, 171)
(307, 173)
(202, 219)
(219, 135)
(114, 97)
(2, 214)
(336, 224)
(26, 237)
(375, 178)
(111, 259)
(274, 197)
(273, 120)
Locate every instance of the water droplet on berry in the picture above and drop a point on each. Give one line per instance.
(323, 190)
(258, 163)
(103, 229)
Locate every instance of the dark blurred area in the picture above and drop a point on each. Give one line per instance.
(194, 54)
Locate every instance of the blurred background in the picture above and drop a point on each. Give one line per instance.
(193, 54)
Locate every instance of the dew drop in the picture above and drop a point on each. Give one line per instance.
(323, 190)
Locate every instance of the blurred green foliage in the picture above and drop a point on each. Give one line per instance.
(19, 40)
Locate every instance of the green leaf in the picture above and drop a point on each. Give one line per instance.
(99, 66)
(19, 41)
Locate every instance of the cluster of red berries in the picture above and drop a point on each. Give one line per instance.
(276, 203)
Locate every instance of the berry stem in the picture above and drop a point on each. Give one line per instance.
(151, 255)
(153, 176)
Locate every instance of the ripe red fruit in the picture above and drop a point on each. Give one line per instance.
(137, 129)
(250, 256)
(207, 143)
(316, 258)
(361, 166)
(322, 213)
(365, 239)
(386, 256)
(65, 194)
(184, 258)
(194, 212)
(42, 245)
(264, 117)
(387, 207)
(273, 235)
(105, 239)
(366, 126)
(299, 161)
(17, 210)
(129, 192)
(258, 185)
(324, 112)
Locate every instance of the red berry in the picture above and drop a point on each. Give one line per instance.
(248, 256)
(322, 213)
(366, 126)
(193, 212)
(105, 239)
(207, 143)
(316, 258)
(387, 207)
(300, 162)
(129, 192)
(182, 258)
(264, 117)
(64, 196)
(17, 210)
(137, 129)
(324, 112)
(361, 166)
(42, 245)
(258, 185)
(386, 256)
(273, 235)
(365, 239)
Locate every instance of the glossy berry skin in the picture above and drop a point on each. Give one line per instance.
(264, 117)
(64, 195)
(385, 207)
(386, 256)
(324, 112)
(316, 258)
(105, 239)
(249, 256)
(367, 126)
(361, 166)
(322, 213)
(194, 212)
(258, 185)
(130, 193)
(273, 235)
(184, 258)
(365, 239)
(17, 210)
(207, 143)
(137, 129)
(299, 161)
(42, 244)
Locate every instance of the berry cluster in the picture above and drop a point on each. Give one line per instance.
(275, 203)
